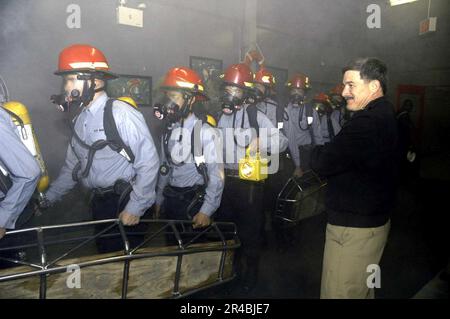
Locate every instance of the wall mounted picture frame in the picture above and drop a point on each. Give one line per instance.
(207, 68)
(135, 86)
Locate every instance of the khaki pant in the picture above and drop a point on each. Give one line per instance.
(348, 252)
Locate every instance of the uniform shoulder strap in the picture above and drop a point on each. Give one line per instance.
(252, 112)
(308, 110)
(197, 150)
(309, 114)
(112, 133)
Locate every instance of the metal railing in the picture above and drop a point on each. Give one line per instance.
(224, 234)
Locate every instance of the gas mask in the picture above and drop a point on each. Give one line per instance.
(297, 98)
(337, 101)
(259, 92)
(64, 104)
(169, 110)
(321, 108)
(258, 95)
(231, 101)
(73, 99)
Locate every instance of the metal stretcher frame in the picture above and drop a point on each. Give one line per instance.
(290, 189)
(47, 267)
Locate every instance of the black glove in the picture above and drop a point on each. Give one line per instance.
(43, 202)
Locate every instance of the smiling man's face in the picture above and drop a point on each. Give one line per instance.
(357, 91)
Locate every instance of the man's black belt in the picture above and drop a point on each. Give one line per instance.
(102, 191)
(119, 187)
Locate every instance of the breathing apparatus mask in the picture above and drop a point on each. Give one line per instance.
(260, 93)
(297, 97)
(74, 99)
(168, 109)
(337, 101)
(232, 99)
(322, 108)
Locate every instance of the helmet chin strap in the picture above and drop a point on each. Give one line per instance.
(184, 112)
(89, 92)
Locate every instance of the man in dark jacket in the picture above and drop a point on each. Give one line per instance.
(361, 166)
